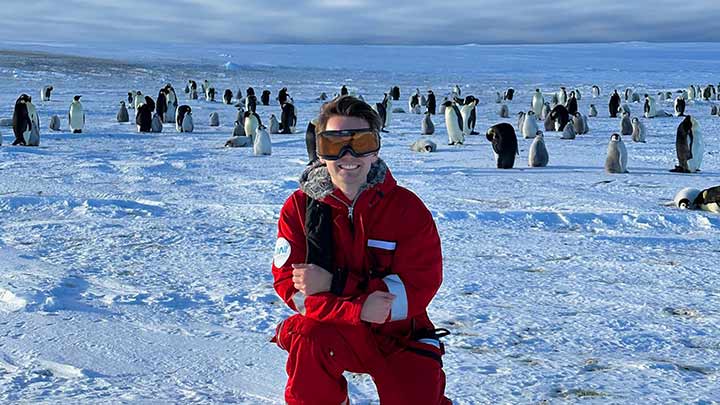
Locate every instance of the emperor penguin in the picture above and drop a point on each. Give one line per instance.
(261, 142)
(214, 119)
(239, 141)
(431, 102)
(187, 123)
(626, 125)
(182, 110)
(172, 103)
(628, 94)
(614, 104)
(560, 116)
(571, 104)
(549, 123)
(595, 91)
(205, 88)
(545, 111)
(239, 128)
(689, 145)
(691, 92)
(274, 125)
(423, 99)
(251, 102)
(504, 111)
(529, 128)
(388, 110)
(143, 117)
(265, 97)
(624, 108)
(593, 111)
(498, 97)
(554, 101)
(636, 98)
(521, 120)
(414, 103)
(562, 96)
(616, 161)
(282, 96)
(21, 122)
(714, 110)
(586, 127)
(288, 118)
(343, 90)
(468, 115)
(650, 108)
(679, 106)
(227, 96)
(395, 93)
(423, 146)
(509, 94)
(54, 123)
(76, 116)
(33, 137)
(427, 126)
(322, 97)
(156, 125)
(161, 104)
(138, 99)
(191, 89)
(538, 101)
(453, 123)
(456, 91)
(310, 140)
(569, 131)
(706, 200)
(638, 130)
(538, 154)
(504, 144)
(252, 123)
(578, 122)
(578, 95)
(45, 93)
(210, 95)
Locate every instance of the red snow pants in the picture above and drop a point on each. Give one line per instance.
(319, 353)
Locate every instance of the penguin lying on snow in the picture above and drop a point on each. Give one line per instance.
(423, 145)
(706, 200)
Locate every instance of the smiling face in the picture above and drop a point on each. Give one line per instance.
(348, 173)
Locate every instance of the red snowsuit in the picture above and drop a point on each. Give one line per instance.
(389, 243)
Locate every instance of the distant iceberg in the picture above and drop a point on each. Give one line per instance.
(231, 66)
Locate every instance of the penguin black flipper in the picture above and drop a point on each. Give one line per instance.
(459, 118)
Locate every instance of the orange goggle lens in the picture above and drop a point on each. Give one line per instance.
(331, 145)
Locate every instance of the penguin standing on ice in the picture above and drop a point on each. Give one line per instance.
(616, 161)
(592, 112)
(251, 102)
(427, 126)
(265, 97)
(33, 137)
(274, 125)
(614, 104)
(431, 102)
(414, 103)
(650, 107)
(562, 96)
(21, 122)
(261, 142)
(76, 116)
(689, 145)
(395, 93)
(504, 144)
(214, 119)
(595, 91)
(504, 112)
(679, 106)
(143, 117)
(180, 116)
(638, 130)
(288, 119)
(469, 115)
(252, 123)
(161, 104)
(529, 126)
(538, 154)
(283, 96)
(310, 141)
(538, 101)
(571, 104)
(227, 96)
(45, 93)
(626, 125)
(172, 104)
(454, 123)
(54, 123)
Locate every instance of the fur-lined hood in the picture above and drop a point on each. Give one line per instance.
(316, 183)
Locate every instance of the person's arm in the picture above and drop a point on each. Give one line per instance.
(290, 249)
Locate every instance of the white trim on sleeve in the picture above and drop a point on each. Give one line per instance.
(395, 286)
(299, 300)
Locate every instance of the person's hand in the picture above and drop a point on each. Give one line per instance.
(377, 307)
(311, 279)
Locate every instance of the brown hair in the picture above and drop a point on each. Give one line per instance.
(348, 106)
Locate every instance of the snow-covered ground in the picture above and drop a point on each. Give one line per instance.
(135, 268)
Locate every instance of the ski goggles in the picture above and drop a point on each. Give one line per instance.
(331, 145)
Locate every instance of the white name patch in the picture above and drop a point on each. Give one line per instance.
(282, 252)
(381, 244)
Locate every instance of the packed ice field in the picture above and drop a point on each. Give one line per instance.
(135, 268)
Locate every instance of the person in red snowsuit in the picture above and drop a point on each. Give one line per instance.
(358, 258)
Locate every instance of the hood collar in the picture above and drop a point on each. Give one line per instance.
(316, 183)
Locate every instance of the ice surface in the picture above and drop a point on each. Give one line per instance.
(136, 267)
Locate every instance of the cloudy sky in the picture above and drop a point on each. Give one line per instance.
(419, 22)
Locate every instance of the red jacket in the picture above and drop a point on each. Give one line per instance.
(390, 243)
